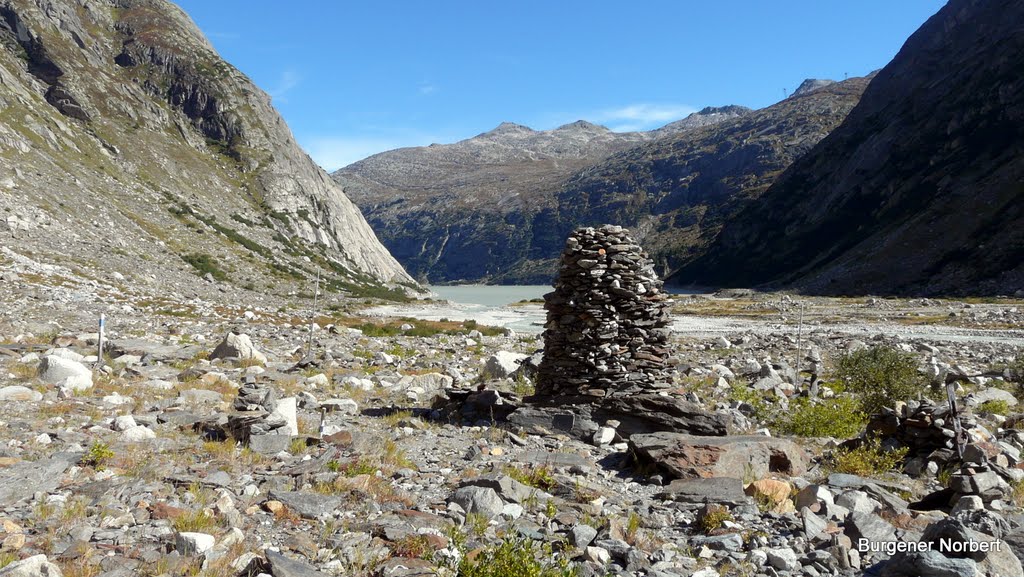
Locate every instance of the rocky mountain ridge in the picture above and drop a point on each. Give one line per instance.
(497, 207)
(919, 191)
(456, 209)
(128, 145)
(677, 191)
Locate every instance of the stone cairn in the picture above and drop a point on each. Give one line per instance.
(607, 320)
(254, 412)
(925, 428)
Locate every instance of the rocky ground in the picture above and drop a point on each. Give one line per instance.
(191, 449)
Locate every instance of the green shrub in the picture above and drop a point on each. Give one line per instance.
(477, 523)
(539, 477)
(839, 417)
(632, 527)
(713, 518)
(516, 557)
(743, 394)
(994, 407)
(98, 455)
(204, 263)
(194, 522)
(868, 460)
(879, 377)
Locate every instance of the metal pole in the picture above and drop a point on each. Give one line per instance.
(99, 341)
(799, 337)
(954, 412)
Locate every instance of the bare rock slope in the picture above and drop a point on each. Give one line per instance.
(128, 144)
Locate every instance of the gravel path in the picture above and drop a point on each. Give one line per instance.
(698, 326)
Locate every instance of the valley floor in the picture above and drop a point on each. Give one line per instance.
(126, 470)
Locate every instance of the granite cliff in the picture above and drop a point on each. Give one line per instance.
(128, 145)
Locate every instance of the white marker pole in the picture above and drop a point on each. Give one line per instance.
(99, 341)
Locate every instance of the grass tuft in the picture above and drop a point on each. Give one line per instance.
(868, 460)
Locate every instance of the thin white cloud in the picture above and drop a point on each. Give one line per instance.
(642, 116)
(289, 79)
(427, 88)
(333, 153)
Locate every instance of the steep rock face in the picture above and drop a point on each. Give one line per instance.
(482, 209)
(127, 143)
(920, 191)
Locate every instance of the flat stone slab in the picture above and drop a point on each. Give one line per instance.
(541, 458)
(142, 347)
(548, 420)
(281, 566)
(723, 490)
(507, 488)
(308, 505)
(22, 480)
(689, 456)
(847, 481)
(269, 444)
(647, 413)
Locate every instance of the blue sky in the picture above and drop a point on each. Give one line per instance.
(353, 78)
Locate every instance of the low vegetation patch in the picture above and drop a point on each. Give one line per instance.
(839, 417)
(869, 459)
(994, 407)
(539, 477)
(713, 518)
(360, 466)
(879, 376)
(98, 455)
(195, 521)
(205, 264)
(1017, 492)
(413, 546)
(420, 328)
(741, 393)
(519, 557)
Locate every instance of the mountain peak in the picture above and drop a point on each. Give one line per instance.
(581, 126)
(509, 128)
(731, 109)
(812, 84)
(705, 117)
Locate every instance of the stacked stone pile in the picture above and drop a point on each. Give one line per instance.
(257, 412)
(607, 319)
(989, 464)
(926, 429)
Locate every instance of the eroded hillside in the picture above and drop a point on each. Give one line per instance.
(128, 145)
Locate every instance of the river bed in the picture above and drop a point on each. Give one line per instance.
(485, 304)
